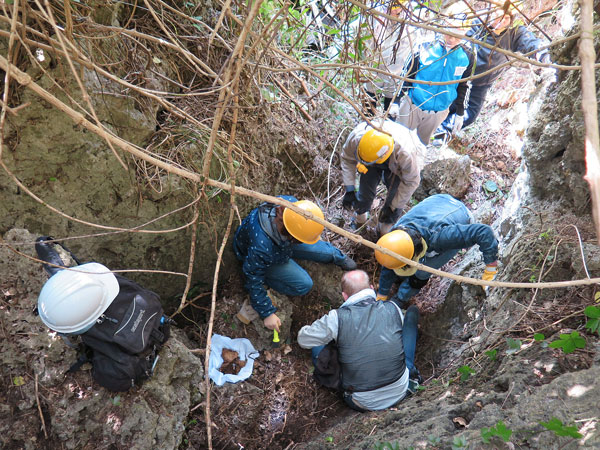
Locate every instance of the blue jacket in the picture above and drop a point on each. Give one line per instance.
(258, 251)
(446, 224)
(434, 63)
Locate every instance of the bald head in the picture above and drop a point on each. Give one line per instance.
(354, 281)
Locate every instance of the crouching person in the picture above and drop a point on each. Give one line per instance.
(370, 341)
(431, 233)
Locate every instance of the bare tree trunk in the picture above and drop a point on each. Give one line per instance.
(589, 107)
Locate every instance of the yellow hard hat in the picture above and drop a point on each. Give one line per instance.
(301, 228)
(398, 241)
(375, 147)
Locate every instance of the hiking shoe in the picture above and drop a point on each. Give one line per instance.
(415, 376)
(347, 264)
(412, 388)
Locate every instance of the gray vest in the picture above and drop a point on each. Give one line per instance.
(371, 352)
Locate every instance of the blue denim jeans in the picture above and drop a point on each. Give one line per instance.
(291, 279)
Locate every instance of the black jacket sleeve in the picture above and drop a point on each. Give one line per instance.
(464, 88)
(411, 66)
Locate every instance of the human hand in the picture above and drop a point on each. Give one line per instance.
(458, 123)
(272, 322)
(349, 200)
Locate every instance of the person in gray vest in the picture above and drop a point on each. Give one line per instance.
(376, 345)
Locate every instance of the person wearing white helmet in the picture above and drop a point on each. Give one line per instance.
(74, 298)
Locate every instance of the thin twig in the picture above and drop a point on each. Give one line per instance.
(37, 400)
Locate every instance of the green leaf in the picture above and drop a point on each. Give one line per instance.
(53, 179)
(499, 430)
(434, 440)
(490, 186)
(459, 442)
(503, 432)
(569, 342)
(539, 337)
(514, 345)
(593, 325)
(18, 381)
(486, 435)
(597, 297)
(465, 372)
(593, 312)
(560, 429)
(491, 354)
(329, 439)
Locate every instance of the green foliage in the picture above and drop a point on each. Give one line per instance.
(491, 354)
(116, 400)
(539, 337)
(499, 430)
(546, 234)
(569, 342)
(465, 372)
(387, 446)
(434, 440)
(329, 439)
(560, 429)
(593, 324)
(459, 442)
(514, 345)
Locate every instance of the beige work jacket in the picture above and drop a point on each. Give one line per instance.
(406, 162)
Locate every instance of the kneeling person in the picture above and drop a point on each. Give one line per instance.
(268, 241)
(376, 345)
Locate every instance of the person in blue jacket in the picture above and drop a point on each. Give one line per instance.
(267, 242)
(423, 106)
(432, 233)
(499, 33)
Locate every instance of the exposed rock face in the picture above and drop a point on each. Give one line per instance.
(76, 410)
(447, 174)
(554, 150)
(522, 391)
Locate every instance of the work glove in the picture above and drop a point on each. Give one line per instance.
(349, 200)
(387, 215)
(381, 297)
(489, 274)
(458, 123)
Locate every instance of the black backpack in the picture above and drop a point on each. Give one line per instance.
(123, 344)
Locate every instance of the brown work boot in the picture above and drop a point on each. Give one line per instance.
(247, 313)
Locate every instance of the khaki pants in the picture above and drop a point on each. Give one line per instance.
(425, 122)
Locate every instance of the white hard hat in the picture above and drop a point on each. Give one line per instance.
(72, 299)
